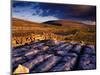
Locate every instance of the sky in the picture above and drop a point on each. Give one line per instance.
(41, 12)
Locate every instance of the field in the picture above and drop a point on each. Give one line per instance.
(69, 31)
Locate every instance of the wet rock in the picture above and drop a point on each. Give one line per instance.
(66, 63)
(76, 48)
(89, 50)
(48, 64)
(31, 52)
(87, 62)
(36, 61)
(51, 56)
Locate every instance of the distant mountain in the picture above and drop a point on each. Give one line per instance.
(53, 23)
(68, 23)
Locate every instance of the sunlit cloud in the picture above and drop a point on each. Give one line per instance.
(36, 18)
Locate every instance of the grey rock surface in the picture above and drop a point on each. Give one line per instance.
(49, 56)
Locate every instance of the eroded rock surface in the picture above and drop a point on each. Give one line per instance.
(51, 56)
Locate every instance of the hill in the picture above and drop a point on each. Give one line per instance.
(68, 23)
(60, 30)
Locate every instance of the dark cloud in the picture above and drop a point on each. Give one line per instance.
(85, 12)
(62, 11)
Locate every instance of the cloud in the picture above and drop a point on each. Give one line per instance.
(36, 18)
(59, 11)
(24, 4)
(84, 12)
(89, 22)
(32, 12)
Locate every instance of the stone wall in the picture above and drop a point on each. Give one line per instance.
(22, 40)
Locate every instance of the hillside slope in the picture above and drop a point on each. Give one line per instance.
(65, 31)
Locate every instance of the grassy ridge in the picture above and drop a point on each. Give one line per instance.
(75, 31)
